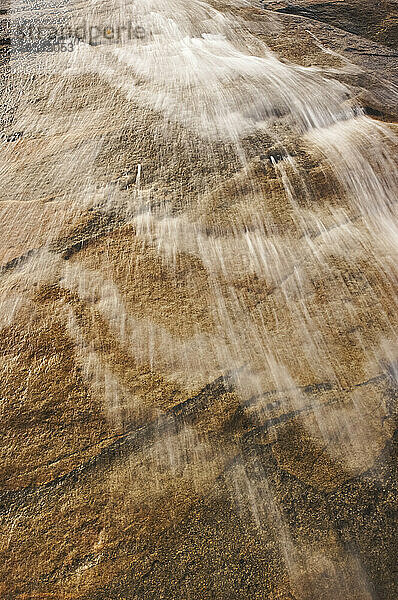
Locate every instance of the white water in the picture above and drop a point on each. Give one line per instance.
(209, 78)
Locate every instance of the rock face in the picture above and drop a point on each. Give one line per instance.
(376, 21)
(198, 304)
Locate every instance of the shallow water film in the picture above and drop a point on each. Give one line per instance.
(198, 300)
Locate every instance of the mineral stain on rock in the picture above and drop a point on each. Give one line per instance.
(198, 304)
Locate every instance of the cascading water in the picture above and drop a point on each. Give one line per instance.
(246, 207)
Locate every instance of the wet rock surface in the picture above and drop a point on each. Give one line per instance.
(198, 314)
(377, 22)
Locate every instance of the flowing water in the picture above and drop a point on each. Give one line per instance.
(259, 204)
